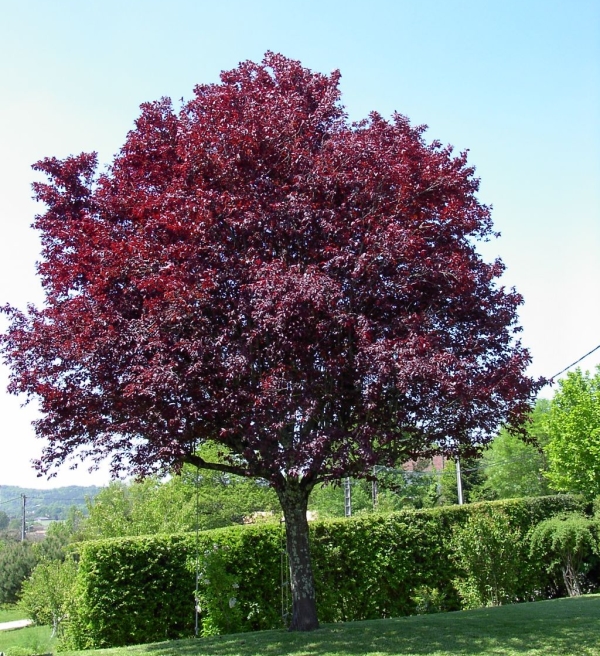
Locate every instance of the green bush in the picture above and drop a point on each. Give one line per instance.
(131, 591)
(565, 544)
(217, 598)
(429, 600)
(46, 596)
(371, 566)
(368, 567)
(490, 553)
(134, 590)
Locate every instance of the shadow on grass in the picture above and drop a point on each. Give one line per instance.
(566, 626)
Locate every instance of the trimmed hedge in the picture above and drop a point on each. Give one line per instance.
(135, 590)
(370, 567)
(141, 589)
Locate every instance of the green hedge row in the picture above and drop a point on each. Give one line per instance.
(371, 567)
(136, 590)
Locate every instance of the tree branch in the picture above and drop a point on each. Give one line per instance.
(199, 462)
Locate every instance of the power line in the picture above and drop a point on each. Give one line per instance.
(50, 500)
(9, 500)
(493, 463)
(562, 371)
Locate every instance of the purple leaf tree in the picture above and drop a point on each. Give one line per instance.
(253, 271)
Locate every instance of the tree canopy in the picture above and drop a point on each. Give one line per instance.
(256, 272)
(573, 428)
(192, 500)
(514, 468)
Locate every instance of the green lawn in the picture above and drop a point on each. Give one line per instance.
(31, 640)
(10, 613)
(561, 627)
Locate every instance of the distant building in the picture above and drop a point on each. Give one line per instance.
(425, 464)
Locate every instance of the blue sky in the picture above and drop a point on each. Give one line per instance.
(516, 82)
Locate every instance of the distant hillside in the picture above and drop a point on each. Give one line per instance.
(53, 503)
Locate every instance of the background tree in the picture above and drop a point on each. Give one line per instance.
(573, 426)
(513, 468)
(136, 508)
(329, 500)
(17, 560)
(471, 480)
(398, 488)
(152, 506)
(255, 272)
(4, 520)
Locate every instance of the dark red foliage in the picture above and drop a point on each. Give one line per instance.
(255, 271)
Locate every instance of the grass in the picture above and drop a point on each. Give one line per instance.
(561, 627)
(31, 640)
(10, 613)
(18, 642)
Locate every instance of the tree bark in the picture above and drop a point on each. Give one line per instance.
(294, 502)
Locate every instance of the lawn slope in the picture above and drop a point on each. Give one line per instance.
(10, 613)
(561, 627)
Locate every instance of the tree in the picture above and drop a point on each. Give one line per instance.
(4, 520)
(419, 487)
(137, 508)
(17, 559)
(256, 273)
(470, 477)
(151, 506)
(328, 501)
(573, 426)
(514, 468)
(47, 594)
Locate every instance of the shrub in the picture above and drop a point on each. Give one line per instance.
(217, 600)
(47, 594)
(490, 553)
(130, 591)
(565, 543)
(429, 600)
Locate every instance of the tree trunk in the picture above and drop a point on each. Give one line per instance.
(571, 578)
(294, 502)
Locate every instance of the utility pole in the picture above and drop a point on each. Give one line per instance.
(24, 498)
(459, 482)
(374, 489)
(347, 497)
